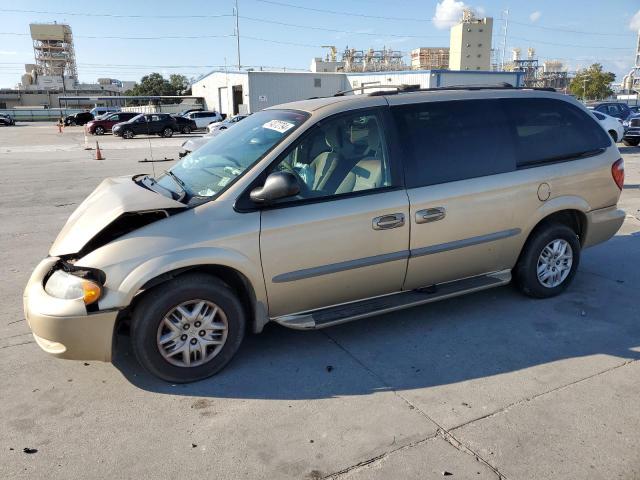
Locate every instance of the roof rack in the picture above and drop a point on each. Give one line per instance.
(399, 88)
(416, 88)
(500, 86)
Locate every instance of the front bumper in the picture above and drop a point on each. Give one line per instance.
(632, 133)
(64, 328)
(602, 224)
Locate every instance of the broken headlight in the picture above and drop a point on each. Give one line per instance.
(68, 286)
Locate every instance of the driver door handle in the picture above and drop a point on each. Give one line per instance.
(385, 222)
(430, 215)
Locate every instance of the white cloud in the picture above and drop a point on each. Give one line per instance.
(535, 16)
(634, 24)
(448, 13)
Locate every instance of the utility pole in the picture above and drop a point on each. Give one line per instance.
(235, 11)
(505, 26)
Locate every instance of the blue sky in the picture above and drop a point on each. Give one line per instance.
(579, 32)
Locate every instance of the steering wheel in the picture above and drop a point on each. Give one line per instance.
(305, 190)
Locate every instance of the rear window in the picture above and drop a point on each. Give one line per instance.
(449, 141)
(547, 130)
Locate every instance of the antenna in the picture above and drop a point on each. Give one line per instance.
(235, 12)
(505, 27)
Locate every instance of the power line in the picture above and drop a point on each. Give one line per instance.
(561, 29)
(376, 34)
(335, 12)
(115, 37)
(112, 15)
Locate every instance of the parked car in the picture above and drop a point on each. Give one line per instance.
(78, 118)
(631, 136)
(99, 111)
(204, 118)
(185, 112)
(634, 109)
(614, 109)
(323, 211)
(224, 124)
(6, 120)
(104, 124)
(611, 124)
(161, 124)
(192, 144)
(184, 125)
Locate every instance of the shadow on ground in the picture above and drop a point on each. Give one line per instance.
(484, 334)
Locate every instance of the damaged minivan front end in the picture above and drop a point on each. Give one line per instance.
(62, 298)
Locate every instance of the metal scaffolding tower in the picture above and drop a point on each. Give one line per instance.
(53, 49)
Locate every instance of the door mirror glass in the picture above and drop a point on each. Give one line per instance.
(278, 185)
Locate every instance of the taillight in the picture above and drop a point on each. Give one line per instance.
(617, 172)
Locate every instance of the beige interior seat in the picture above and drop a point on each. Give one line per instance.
(367, 173)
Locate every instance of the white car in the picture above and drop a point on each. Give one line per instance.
(223, 125)
(203, 119)
(611, 124)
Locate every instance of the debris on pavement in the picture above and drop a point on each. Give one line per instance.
(30, 450)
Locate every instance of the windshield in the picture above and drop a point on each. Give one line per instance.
(212, 167)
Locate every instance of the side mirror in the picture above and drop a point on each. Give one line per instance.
(278, 185)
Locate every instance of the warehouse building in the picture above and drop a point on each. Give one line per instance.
(234, 92)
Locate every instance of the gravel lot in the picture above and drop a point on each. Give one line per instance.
(491, 385)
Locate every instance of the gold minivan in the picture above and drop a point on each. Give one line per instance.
(324, 211)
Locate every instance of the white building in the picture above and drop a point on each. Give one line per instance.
(235, 92)
(470, 44)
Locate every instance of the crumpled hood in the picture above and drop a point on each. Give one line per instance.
(112, 198)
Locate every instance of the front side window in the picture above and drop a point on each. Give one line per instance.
(341, 155)
(211, 168)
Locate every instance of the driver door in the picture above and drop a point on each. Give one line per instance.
(345, 236)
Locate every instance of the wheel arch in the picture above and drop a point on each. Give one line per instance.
(570, 212)
(247, 284)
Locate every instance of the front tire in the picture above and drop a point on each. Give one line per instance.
(127, 134)
(187, 329)
(548, 261)
(631, 143)
(99, 130)
(186, 130)
(167, 132)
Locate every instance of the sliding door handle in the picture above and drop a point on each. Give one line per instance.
(385, 222)
(430, 215)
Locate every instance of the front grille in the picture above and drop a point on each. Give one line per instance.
(635, 122)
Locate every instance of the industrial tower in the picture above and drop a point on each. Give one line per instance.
(631, 81)
(53, 48)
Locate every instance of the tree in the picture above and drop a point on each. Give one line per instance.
(592, 83)
(156, 84)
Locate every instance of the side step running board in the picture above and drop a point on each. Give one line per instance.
(348, 312)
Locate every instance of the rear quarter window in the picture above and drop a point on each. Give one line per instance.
(548, 130)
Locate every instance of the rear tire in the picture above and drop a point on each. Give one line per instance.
(548, 261)
(631, 143)
(187, 303)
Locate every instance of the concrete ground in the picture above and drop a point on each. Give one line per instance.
(491, 385)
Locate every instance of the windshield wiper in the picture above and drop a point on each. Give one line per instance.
(177, 180)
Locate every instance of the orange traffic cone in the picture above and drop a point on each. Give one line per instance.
(98, 152)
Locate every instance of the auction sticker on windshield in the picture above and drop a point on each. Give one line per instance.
(279, 126)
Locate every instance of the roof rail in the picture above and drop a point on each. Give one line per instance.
(399, 88)
(501, 86)
(404, 88)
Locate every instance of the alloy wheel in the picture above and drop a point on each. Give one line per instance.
(192, 333)
(554, 263)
